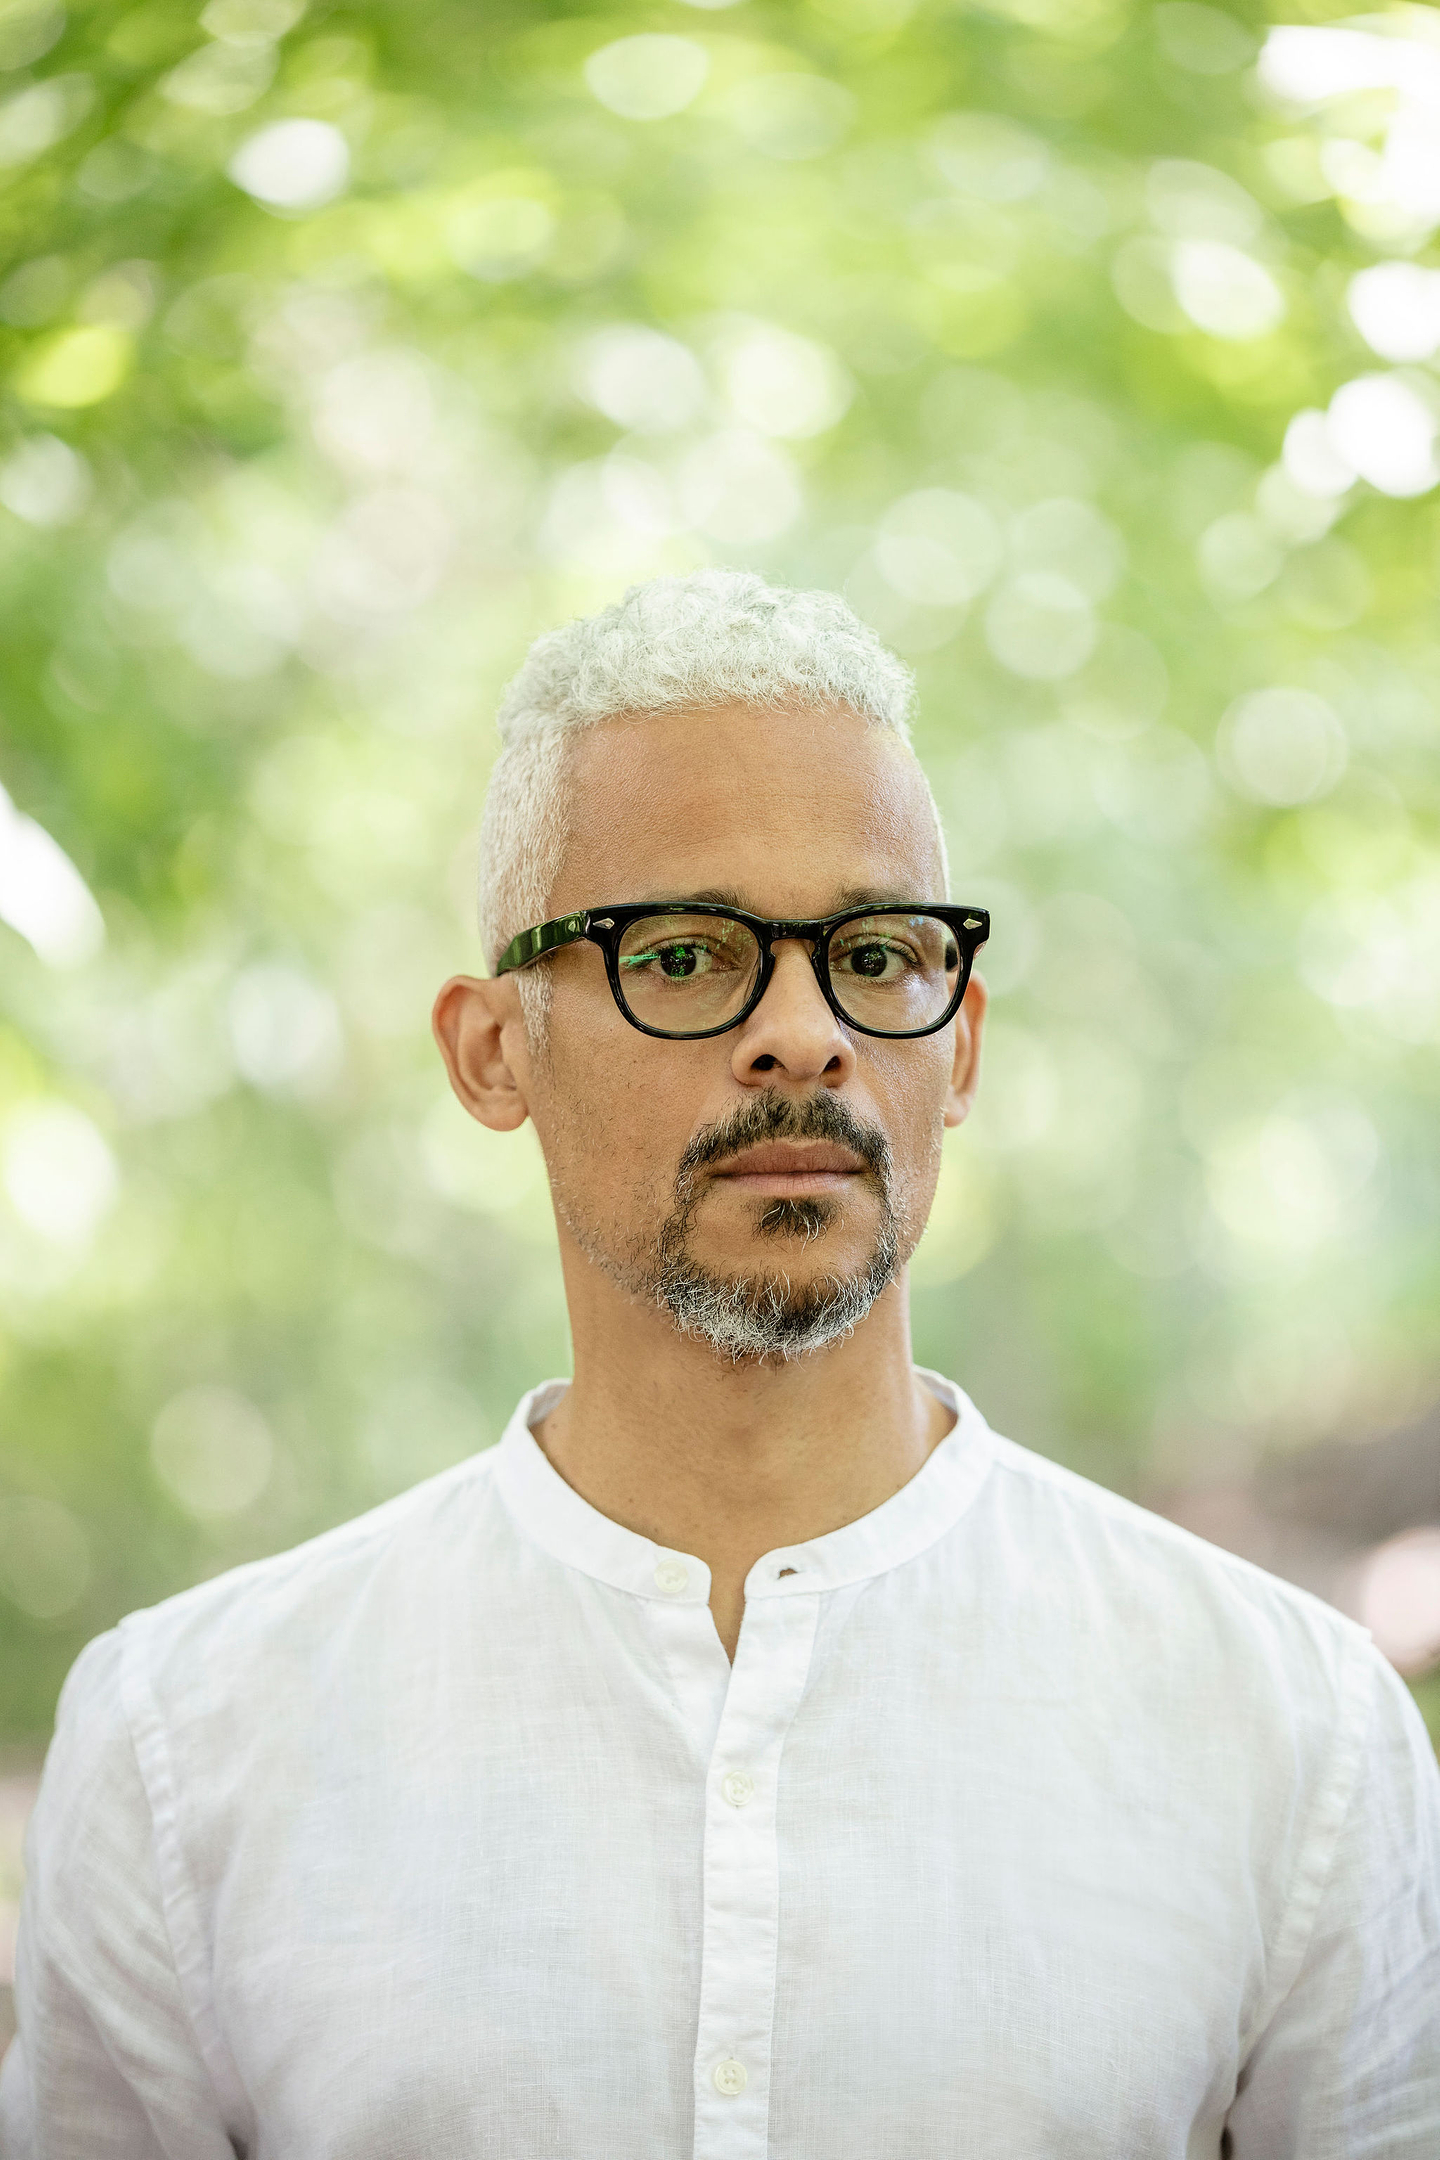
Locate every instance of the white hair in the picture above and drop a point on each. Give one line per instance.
(716, 637)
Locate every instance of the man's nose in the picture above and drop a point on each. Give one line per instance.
(793, 1031)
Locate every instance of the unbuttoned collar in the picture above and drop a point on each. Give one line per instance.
(570, 1530)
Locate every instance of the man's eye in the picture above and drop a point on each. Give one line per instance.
(682, 961)
(874, 961)
(678, 963)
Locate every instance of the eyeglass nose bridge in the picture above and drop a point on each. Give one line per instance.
(786, 933)
(811, 933)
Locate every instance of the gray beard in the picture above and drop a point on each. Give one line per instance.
(765, 1315)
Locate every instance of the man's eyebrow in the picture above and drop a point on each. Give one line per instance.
(871, 896)
(854, 896)
(713, 896)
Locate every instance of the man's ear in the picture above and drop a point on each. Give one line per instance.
(969, 1028)
(481, 1033)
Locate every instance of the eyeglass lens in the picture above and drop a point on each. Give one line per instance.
(686, 974)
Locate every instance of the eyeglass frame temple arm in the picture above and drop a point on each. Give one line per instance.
(545, 937)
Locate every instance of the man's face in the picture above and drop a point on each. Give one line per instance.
(763, 1185)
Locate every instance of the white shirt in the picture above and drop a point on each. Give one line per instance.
(1026, 1827)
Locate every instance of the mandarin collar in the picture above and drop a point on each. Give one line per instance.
(555, 1517)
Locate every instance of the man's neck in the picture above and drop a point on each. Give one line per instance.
(729, 1461)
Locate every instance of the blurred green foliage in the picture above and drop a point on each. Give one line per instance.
(345, 347)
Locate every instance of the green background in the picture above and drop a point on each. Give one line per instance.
(944, 308)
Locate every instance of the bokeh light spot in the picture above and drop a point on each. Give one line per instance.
(1040, 626)
(28, 29)
(213, 1450)
(34, 120)
(293, 165)
(648, 77)
(59, 1173)
(1282, 746)
(221, 78)
(784, 385)
(938, 548)
(1386, 429)
(44, 481)
(42, 894)
(1396, 308)
(76, 367)
(1225, 291)
(502, 237)
(640, 378)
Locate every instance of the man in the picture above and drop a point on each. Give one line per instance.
(752, 1755)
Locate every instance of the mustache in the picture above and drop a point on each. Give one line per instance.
(773, 1116)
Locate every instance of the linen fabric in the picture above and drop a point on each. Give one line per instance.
(1026, 1824)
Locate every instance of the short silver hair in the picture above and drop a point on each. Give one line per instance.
(716, 637)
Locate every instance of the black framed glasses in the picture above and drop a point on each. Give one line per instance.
(694, 969)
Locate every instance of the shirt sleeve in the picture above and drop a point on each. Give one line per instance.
(1348, 2067)
(105, 2064)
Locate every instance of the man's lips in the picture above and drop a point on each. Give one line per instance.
(783, 1168)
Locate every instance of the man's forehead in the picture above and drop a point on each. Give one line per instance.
(781, 805)
(737, 763)
(750, 776)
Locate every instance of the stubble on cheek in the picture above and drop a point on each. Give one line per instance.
(913, 1194)
(614, 1218)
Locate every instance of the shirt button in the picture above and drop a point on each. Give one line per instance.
(671, 1576)
(738, 1787)
(730, 2077)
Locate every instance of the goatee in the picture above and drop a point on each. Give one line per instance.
(766, 1314)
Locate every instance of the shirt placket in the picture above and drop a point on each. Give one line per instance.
(742, 1878)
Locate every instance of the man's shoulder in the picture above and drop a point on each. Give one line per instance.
(1157, 1584)
(401, 1550)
